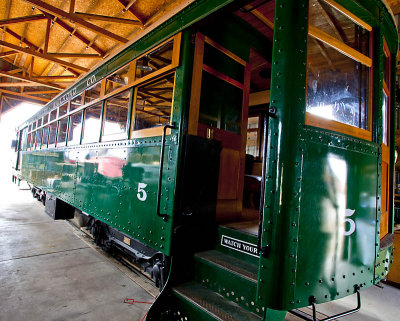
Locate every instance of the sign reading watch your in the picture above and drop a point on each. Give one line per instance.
(239, 245)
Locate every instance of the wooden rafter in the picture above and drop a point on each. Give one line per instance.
(47, 37)
(74, 55)
(128, 7)
(24, 40)
(8, 53)
(42, 56)
(42, 92)
(55, 77)
(18, 98)
(90, 16)
(77, 35)
(331, 19)
(72, 6)
(75, 19)
(18, 84)
(325, 54)
(260, 16)
(6, 22)
(9, 92)
(32, 80)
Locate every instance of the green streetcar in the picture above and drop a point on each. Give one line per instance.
(242, 153)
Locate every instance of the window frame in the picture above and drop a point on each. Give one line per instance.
(314, 32)
(153, 131)
(132, 85)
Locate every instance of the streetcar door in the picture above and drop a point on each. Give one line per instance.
(219, 111)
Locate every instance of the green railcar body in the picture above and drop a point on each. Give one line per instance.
(319, 183)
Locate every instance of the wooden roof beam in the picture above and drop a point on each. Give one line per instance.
(128, 7)
(325, 54)
(32, 80)
(260, 16)
(74, 55)
(90, 16)
(332, 21)
(42, 56)
(42, 92)
(9, 92)
(56, 77)
(77, 35)
(18, 84)
(23, 40)
(75, 19)
(8, 53)
(6, 22)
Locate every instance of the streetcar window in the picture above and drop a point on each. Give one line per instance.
(118, 79)
(75, 103)
(92, 93)
(33, 140)
(385, 117)
(91, 129)
(62, 110)
(34, 125)
(52, 134)
(30, 128)
(153, 103)
(327, 18)
(28, 144)
(45, 119)
(53, 114)
(253, 139)
(154, 60)
(45, 137)
(116, 116)
(75, 128)
(62, 131)
(39, 122)
(338, 71)
(39, 139)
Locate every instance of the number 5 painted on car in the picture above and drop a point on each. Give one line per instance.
(142, 194)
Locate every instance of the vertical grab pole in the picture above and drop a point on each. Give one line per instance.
(264, 251)
(262, 198)
(171, 126)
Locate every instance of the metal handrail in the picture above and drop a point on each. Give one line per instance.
(170, 126)
(313, 301)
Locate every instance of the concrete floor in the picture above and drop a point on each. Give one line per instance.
(48, 271)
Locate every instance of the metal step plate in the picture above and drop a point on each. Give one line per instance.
(213, 304)
(229, 263)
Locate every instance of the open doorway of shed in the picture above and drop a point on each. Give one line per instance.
(8, 122)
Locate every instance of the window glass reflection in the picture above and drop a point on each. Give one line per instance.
(75, 127)
(53, 115)
(337, 86)
(330, 20)
(39, 139)
(154, 60)
(118, 79)
(91, 131)
(92, 93)
(33, 140)
(153, 103)
(63, 110)
(62, 131)
(252, 145)
(52, 134)
(76, 103)
(45, 137)
(116, 116)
